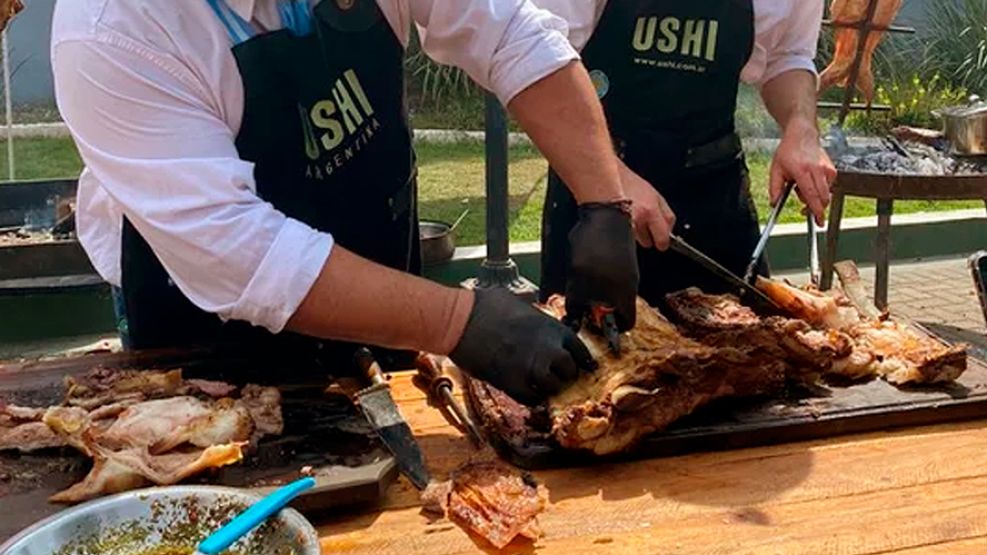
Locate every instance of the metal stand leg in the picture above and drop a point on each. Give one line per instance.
(832, 240)
(883, 252)
(498, 270)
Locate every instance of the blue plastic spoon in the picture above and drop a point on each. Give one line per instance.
(220, 540)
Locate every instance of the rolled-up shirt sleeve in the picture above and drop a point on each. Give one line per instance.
(795, 47)
(152, 137)
(504, 45)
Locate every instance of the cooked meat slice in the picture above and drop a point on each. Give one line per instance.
(29, 436)
(228, 421)
(103, 386)
(147, 423)
(17, 413)
(264, 405)
(491, 500)
(116, 471)
(881, 347)
(71, 424)
(211, 388)
(721, 321)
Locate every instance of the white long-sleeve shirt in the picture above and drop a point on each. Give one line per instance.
(153, 98)
(786, 33)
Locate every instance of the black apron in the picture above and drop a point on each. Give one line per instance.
(668, 73)
(326, 126)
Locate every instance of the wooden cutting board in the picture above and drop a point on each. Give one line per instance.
(321, 430)
(827, 412)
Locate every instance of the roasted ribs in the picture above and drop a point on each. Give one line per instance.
(664, 374)
(837, 73)
(882, 347)
(143, 427)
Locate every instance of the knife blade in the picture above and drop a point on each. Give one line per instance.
(747, 291)
(381, 411)
(762, 243)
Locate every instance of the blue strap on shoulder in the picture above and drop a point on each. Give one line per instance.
(238, 29)
(296, 15)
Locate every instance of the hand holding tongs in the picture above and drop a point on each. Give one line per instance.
(750, 275)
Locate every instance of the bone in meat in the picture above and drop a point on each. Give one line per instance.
(117, 471)
(886, 348)
(837, 73)
(659, 377)
(491, 500)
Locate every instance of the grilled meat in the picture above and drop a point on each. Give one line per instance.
(140, 428)
(490, 500)
(881, 347)
(837, 73)
(9, 9)
(665, 374)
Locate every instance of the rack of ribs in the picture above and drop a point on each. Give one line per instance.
(664, 374)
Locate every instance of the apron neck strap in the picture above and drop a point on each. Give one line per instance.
(295, 16)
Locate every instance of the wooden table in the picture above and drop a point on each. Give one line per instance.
(922, 491)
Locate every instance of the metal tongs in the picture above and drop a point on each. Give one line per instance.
(602, 321)
(750, 274)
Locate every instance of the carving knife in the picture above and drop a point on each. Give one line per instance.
(747, 291)
(749, 276)
(382, 412)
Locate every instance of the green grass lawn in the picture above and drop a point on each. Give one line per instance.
(451, 181)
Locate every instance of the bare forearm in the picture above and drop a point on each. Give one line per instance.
(356, 300)
(791, 100)
(563, 117)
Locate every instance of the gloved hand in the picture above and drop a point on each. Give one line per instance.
(517, 349)
(603, 270)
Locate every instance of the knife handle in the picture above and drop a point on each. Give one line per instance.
(431, 380)
(367, 365)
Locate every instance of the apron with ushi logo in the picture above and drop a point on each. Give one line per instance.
(668, 73)
(325, 124)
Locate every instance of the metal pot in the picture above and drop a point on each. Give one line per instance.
(134, 522)
(965, 127)
(438, 241)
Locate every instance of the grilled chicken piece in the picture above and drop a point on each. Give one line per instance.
(881, 347)
(131, 468)
(143, 428)
(8, 9)
(848, 40)
(491, 500)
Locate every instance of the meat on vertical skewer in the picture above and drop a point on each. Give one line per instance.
(848, 40)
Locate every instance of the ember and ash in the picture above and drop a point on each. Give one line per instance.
(921, 160)
(914, 152)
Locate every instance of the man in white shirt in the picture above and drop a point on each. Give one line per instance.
(668, 72)
(250, 180)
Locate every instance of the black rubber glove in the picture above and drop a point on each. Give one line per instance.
(603, 270)
(519, 350)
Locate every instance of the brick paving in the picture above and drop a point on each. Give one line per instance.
(933, 291)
